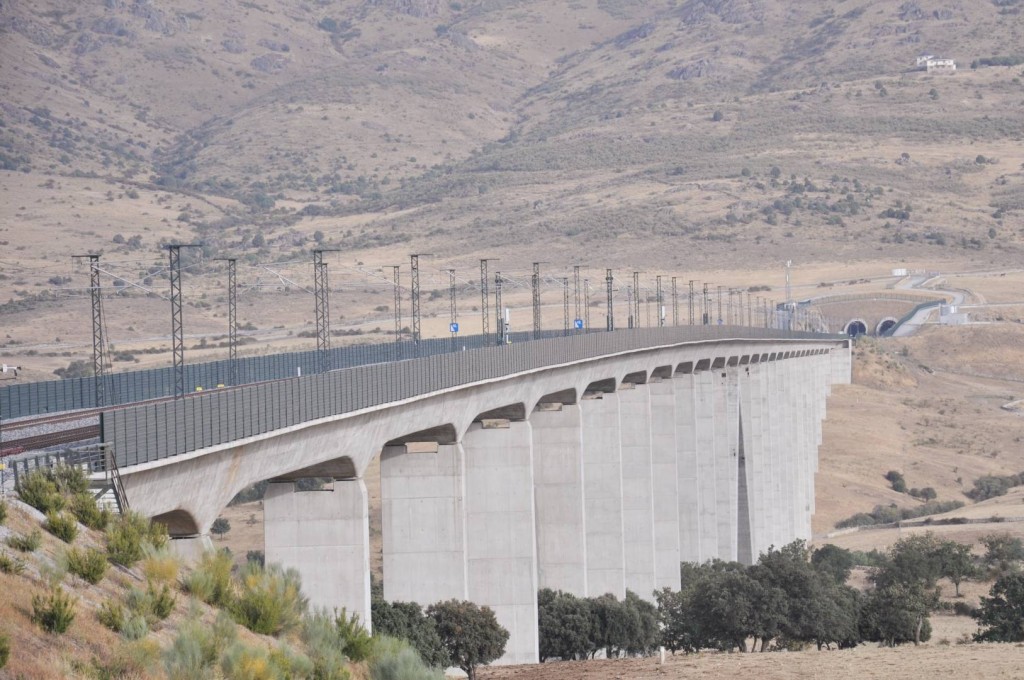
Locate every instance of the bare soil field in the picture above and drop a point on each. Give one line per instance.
(931, 660)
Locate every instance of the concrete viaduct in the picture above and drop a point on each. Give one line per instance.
(591, 464)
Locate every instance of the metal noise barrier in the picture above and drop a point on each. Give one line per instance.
(160, 430)
(54, 396)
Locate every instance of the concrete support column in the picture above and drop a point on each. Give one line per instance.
(424, 521)
(325, 536)
(780, 453)
(665, 480)
(637, 489)
(689, 508)
(706, 393)
(602, 475)
(805, 423)
(726, 461)
(558, 489)
(795, 480)
(842, 364)
(752, 407)
(500, 536)
(786, 446)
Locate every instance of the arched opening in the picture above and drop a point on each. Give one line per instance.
(856, 327)
(885, 325)
(180, 523)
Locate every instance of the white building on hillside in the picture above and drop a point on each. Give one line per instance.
(941, 66)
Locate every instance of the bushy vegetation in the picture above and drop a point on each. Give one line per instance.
(153, 604)
(1003, 554)
(579, 627)
(11, 565)
(324, 646)
(351, 631)
(89, 564)
(111, 614)
(61, 525)
(889, 514)
(269, 599)
(3, 512)
(395, 659)
(25, 542)
(1001, 614)
(407, 621)
(53, 612)
(793, 597)
(210, 579)
(5, 650)
(85, 509)
(991, 486)
(128, 535)
(160, 565)
(39, 490)
(470, 634)
(196, 648)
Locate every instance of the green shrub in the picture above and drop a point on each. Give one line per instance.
(89, 564)
(290, 663)
(210, 579)
(5, 650)
(358, 643)
(69, 479)
(163, 601)
(160, 565)
(11, 565)
(242, 662)
(151, 603)
(127, 536)
(395, 659)
(135, 627)
(38, 490)
(3, 512)
(85, 509)
(54, 612)
(112, 615)
(25, 542)
(62, 526)
(197, 647)
(269, 599)
(129, 660)
(320, 635)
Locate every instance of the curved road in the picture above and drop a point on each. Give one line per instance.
(911, 325)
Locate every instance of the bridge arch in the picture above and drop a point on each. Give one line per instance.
(856, 327)
(885, 325)
(180, 523)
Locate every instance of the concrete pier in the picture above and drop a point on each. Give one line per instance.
(558, 490)
(424, 519)
(637, 489)
(602, 497)
(665, 482)
(325, 536)
(708, 392)
(689, 480)
(501, 558)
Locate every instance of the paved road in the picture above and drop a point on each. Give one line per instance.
(919, 319)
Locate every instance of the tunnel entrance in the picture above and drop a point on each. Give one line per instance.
(856, 327)
(885, 325)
